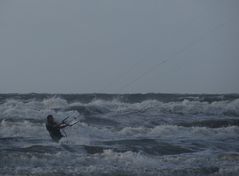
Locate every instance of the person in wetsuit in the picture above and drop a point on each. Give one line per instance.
(54, 128)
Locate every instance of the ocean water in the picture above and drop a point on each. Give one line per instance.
(119, 135)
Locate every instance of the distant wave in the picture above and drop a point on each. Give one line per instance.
(34, 109)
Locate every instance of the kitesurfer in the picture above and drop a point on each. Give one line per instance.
(54, 128)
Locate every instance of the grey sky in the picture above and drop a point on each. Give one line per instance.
(85, 46)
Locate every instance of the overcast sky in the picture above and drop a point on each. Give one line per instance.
(119, 46)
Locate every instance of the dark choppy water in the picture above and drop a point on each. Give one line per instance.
(134, 134)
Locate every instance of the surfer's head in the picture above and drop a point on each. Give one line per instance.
(50, 119)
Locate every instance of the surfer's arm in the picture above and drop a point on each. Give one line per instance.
(62, 125)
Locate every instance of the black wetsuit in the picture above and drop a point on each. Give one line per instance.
(54, 131)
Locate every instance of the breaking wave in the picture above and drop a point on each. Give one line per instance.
(39, 109)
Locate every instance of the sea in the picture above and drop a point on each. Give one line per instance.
(120, 135)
